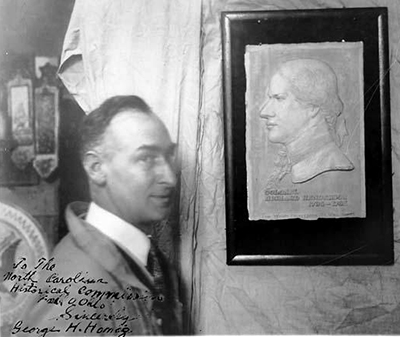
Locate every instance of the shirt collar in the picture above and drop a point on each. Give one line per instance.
(127, 236)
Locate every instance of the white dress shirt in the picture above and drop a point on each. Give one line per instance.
(127, 236)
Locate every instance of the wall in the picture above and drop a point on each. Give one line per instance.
(280, 300)
(30, 28)
(34, 27)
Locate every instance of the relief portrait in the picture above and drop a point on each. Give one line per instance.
(303, 112)
(304, 131)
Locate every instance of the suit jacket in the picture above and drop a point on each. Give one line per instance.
(101, 290)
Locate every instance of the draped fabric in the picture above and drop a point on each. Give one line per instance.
(149, 48)
(169, 53)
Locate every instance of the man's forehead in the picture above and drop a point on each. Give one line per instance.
(132, 114)
(135, 120)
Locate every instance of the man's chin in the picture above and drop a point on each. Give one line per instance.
(275, 140)
(160, 214)
(159, 209)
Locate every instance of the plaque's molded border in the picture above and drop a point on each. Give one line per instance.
(340, 241)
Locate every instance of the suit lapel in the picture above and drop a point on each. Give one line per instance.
(104, 251)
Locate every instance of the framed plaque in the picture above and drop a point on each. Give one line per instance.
(46, 130)
(18, 137)
(307, 137)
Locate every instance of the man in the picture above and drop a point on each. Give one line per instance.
(303, 113)
(100, 266)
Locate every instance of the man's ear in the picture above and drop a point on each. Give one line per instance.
(314, 110)
(93, 164)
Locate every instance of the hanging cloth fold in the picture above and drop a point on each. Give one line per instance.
(148, 48)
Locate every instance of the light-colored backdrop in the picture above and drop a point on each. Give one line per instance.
(289, 300)
(187, 93)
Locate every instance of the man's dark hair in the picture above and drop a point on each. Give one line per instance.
(94, 125)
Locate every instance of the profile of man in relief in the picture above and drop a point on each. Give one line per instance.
(303, 112)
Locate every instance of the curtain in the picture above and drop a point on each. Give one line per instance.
(149, 48)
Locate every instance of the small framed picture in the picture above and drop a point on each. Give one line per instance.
(18, 150)
(307, 137)
(46, 130)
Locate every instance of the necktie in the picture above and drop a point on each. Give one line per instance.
(163, 287)
(155, 269)
(159, 286)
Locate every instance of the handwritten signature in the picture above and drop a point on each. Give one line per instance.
(88, 328)
(78, 296)
(42, 332)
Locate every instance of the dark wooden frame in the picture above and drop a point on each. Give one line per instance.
(342, 241)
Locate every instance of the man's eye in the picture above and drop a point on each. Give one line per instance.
(280, 98)
(148, 158)
(171, 155)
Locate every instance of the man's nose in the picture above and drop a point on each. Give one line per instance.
(267, 109)
(167, 173)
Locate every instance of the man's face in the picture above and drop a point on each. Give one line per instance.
(286, 117)
(139, 167)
